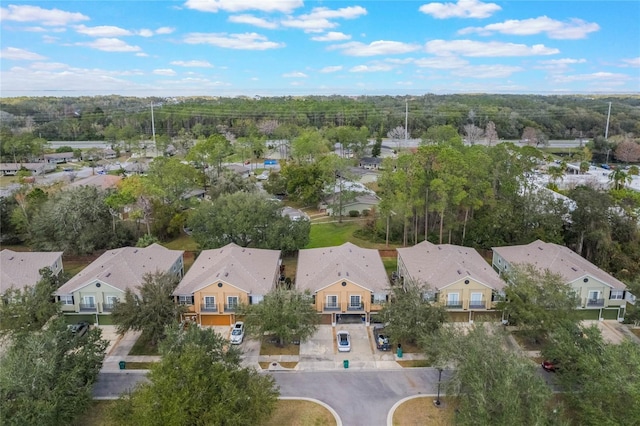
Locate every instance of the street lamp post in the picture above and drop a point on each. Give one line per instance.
(437, 402)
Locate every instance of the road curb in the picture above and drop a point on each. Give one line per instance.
(317, 401)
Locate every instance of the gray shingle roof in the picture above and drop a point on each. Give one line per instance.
(558, 259)
(445, 264)
(21, 269)
(321, 267)
(249, 269)
(124, 267)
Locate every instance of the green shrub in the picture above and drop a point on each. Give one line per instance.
(354, 213)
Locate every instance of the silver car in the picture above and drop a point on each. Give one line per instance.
(237, 333)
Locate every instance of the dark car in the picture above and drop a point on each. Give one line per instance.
(79, 329)
(551, 366)
(382, 340)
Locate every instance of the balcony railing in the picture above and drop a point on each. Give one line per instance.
(230, 308)
(108, 307)
(208, 307)
(88, 307)
(595, 302)
(331, 307)
(454, 305)
(359, 307)
(476, 304)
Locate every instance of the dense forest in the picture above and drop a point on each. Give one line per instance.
(117, 117)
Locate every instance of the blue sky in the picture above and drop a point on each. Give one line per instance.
(296, 47)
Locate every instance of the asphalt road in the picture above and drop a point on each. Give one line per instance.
(361, 398)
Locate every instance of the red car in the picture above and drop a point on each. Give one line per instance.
(551, 366)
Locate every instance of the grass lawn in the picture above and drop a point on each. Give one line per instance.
(526, 343)
(636, 331)
(268, 348)
(286, 364)
(183, 242)
(414, 363)
(300, 413)
(138, 365)
(390, 264)
(8, 180)
(290, 264)
(143, 347)
(408, 348)
(335, 234)
(422, 411)
(96, 414)
(73, 267)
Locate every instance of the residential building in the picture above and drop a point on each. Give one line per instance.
(221, 279)
(349, 283)
(59, 157)
(36, 169)
(20, 269)
(92, 293)
(601, 296)
(457, 277)
(103, 182)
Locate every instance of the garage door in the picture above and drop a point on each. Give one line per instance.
(215, 319)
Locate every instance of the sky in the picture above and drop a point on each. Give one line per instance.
(295, 48)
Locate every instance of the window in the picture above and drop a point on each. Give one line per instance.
(379, 298)
(594, 295)
(185, 300)
(66, 300)
(209, 302)
(476, 297)
(111, 300)
(617, 294)
(354, 301)
(429, 296)
(232, 301)
(254, 300)
(89, 301)
(332, 301)
(453, 299)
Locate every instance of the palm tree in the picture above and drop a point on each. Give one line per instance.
(619, 177)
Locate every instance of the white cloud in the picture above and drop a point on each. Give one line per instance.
(192, 64)
(486, 71)
(333, 68)
(246, 41)
(284, 6)
(632, 62)
(441, 62)
(47, 66)
(486, 49)
(572, 29)
(50, 17)
(164, 71)
(165, 30)
(332, 36)
(380, 47)
(110, 45)
(558, 65)
(102, 31)
(252, 20)
(309, 25)
(371, 68)
(351, 12)
(404, 83)
(145, 33)
(605, 77)
(461, 9)
(319, 18)
(295, 74)
(15, 54)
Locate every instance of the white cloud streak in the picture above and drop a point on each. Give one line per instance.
(48, 17)
(480, 49)
(380, 47)
(461, 9)
(246, 41)
(16, 54)
(284, 6)
(572, 29)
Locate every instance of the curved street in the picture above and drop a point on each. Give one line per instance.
(360, 397)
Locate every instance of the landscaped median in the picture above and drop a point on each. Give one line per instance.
(421, 410)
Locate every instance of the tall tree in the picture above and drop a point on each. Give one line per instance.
(309, 146)
(47, 377)
(492, 384)
(198, 382)
(152, 310)
(28, 309)
(412, 312)
(285, 314)
(538, 302)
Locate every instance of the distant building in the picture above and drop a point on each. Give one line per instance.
(59, 157)
(22, 269)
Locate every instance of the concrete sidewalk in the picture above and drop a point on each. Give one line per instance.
(120, 352)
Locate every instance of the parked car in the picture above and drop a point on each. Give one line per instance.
(237, 333)
(382, 340)
(79, 329)
(344, 341)
(551, 366)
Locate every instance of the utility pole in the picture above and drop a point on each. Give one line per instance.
(153, 129)
(606, 132)
(406, 122)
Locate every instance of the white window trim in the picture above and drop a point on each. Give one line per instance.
(185, 300)
(351, 301)
(66, 300)
(453, 299)
(209, 305)
(617, 294)
(237, 300)
(480, 299)
(332, 304)
(86, 298)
